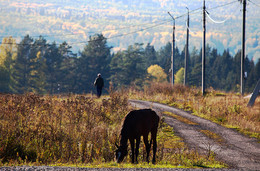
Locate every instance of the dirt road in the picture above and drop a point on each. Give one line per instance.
(236, 150)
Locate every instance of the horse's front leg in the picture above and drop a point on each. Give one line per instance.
(137, 148)
(132, 142)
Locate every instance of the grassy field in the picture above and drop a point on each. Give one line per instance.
(80, 130)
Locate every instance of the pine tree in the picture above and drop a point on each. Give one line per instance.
(8, 53)
(53, 74)
(150, 57)
(130, 67)
(21, 66)
(164, 58)
(95, 58)
(68, 66)
(37, 75)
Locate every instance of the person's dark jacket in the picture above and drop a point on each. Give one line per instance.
(99, 82)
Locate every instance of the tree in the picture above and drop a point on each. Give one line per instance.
(220, 70)
(8, 53)
(156, 72)
(164, 57)
(53, 61)
(116, 69)
(179, 76)
(21, 66)
(67, 77)
(128, 67)
(150, 57)
(37, 66)
(95, 58)
(37, 75)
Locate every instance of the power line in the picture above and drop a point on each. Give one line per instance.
(219, 22)
(223, 5)
(254, 3)
(125, 34)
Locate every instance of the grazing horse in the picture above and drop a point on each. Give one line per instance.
(138, 123)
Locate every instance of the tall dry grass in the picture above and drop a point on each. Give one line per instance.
(53, 129)
(78, 129)
(227, 109)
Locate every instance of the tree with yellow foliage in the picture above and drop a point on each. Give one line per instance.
(179, 76)
(157, 73)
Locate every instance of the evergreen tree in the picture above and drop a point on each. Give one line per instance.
(116, 69)
(37, 75)
(95, 58)
(249, 69)
(21, 68)
(150, 57)
(37, 66)
(194, 72)
(68, 76)
(8, 53)
(221, 68)
(130, 67)
(164, 57)
(53, 74)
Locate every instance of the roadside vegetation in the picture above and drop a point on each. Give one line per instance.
(227, 109)
(81, 131)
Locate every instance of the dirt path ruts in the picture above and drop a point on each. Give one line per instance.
(236, 150)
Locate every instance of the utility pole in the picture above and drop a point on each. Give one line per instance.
(242, 79)
(187, 49)
(173, 50)
(203, 48)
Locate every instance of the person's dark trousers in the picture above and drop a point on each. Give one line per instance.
(99, 91)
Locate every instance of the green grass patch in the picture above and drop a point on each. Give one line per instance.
(180, 118)
(213, 136)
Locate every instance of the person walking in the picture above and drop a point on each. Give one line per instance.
(99, 83)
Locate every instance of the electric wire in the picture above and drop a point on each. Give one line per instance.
(220, 22)
(254, 3)
(223, 5)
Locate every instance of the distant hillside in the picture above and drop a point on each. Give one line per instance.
(125, 22)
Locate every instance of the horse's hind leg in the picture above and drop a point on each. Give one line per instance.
(132, 143)
(147, 146)
(137, 148)
(153, 138)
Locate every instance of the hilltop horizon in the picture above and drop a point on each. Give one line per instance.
(125, 22)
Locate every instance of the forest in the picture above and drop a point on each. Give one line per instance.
(33, 65)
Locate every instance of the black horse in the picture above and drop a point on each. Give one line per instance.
(136, 124)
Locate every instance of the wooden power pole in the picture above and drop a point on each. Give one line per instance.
(203, 48)
(187, 50)
(242, 75)
(173, 50)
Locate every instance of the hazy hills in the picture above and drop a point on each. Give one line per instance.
(125, 22)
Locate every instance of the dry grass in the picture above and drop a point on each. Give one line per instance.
(79, 130)
(51, 129)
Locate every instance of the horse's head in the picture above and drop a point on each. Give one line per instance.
(121, 152)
